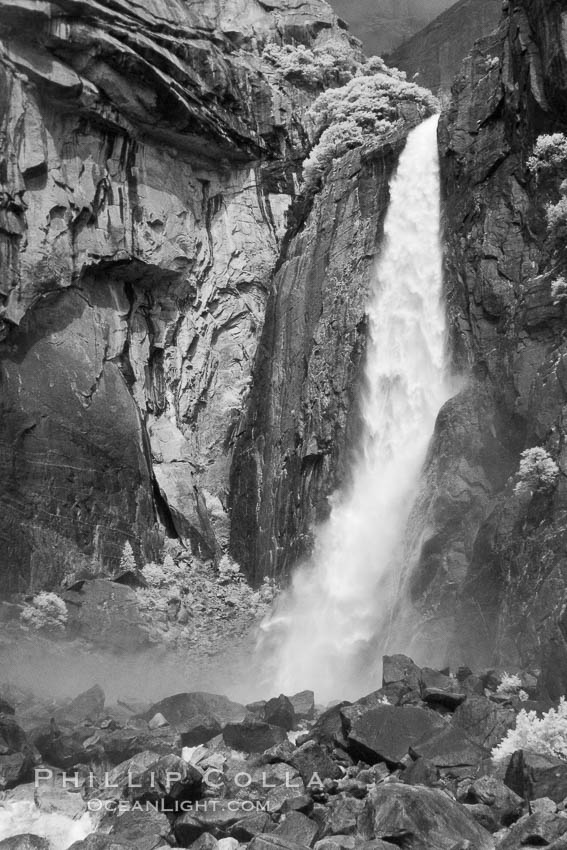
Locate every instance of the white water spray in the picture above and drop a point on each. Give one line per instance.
(329, 630)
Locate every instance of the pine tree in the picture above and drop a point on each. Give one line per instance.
(128, 561)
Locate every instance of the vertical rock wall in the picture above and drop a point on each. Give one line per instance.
(491, 568)
(148, 157)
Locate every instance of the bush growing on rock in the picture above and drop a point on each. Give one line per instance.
(546, 735)
(511, 685)
(550, 153)
(47, 612)
(367, 108)
(336, 63)
(559, 290)
(538, 472)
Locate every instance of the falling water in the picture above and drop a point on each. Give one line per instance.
(329, 630)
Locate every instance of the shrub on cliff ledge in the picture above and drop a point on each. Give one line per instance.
(546, 736)
(367, 108)
(550, 153)
(538, 472)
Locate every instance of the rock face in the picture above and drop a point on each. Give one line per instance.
(148, 157)
(302, 420)
(433, 56)
(382, 25)
(490, 561)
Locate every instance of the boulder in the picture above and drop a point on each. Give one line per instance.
(255, 824)
(312, 760)
(286, 798)
(26, 841)
(280, 712)
(298, 828)
(17, 754)
(303, 704)
(532, 776)
(152, 777)
(216, 817)
(539, 830)
(439, 689)
(182, 708)
(137, 827)
(448, 748)
(252, 736)
(329, 726)
(339, 842)
(342, 815)
(89, 705)
(274, 842)
(484, 722)
(421, 772)
(199, 730)
(387, 732)
(206, 841)
(506, 805)
(106, 613)
(425, 817)
(6, 707)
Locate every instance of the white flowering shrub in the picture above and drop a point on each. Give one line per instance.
(47, 612)
(550, 153)
(559, 290)
(509, 684)
(366, 108)
(538, 472)
(546, 735)
(556, 215)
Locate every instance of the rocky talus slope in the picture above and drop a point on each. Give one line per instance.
(149, 154)
(491, 568)
(409, 766)
(436, 52)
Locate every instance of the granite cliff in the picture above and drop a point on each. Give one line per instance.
(149, 154)
(491, 569)
(436, 52)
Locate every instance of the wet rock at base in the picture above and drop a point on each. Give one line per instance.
(252, 736)
(387, 732)
(329, 726)
(425, 817)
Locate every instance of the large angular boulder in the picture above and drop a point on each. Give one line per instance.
(312, 760)
(423, 818)
(440, 689)
(329, 726)
(26, 841)
(483, 721)
(298, 828)
(505, 805)
(534, 776)
(386, 732)
(342, 815)
(252, 736)
(279, 711)
(89, 705)
(182, 709)
(17, 753)
(448, 748)
(303, 704)
(106, 613)
(255, 824)
(275, 842)
(200, 729)
(539, 830)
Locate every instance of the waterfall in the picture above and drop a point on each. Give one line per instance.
(329, 630)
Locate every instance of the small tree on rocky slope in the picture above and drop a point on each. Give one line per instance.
(545, 735)
(538, 472)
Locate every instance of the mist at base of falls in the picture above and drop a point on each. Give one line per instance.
(329, 631)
